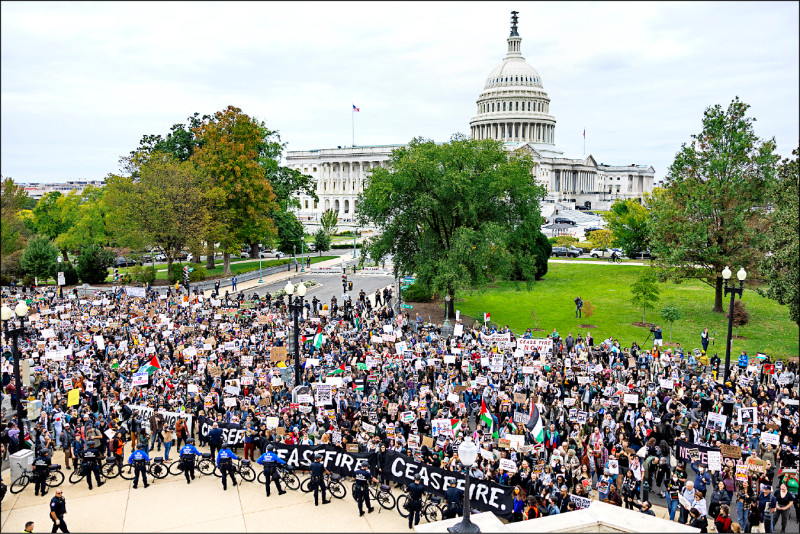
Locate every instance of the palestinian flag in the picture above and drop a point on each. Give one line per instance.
(534, 424)
(358, 384)
(318, 339)
(152, 367)
(456, 424)
(28, 441)
(486, 417)
(337, 371)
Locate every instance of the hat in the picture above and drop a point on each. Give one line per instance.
(563, 488)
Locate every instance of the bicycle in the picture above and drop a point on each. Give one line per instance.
(79, 473)
(202, 463)
(54, 478)
(286, 475)
(242, 468)
(333, 482)
(381, 493)
(614, 259)
(432, 508)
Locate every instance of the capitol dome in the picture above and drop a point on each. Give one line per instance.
(514, 106)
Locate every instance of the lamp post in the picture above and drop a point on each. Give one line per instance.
(21, 311)
(303, 255)
(447, 328)
(58, 278)
(467, 453)
(733, 290)
(295, 307)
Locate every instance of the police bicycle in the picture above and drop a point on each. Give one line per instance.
(286, 475)
(155, 468)
(381, 493)
(241, 468)
(202, 463)
(80, 472)
(54, 478)
(431, 507)
(333, 482)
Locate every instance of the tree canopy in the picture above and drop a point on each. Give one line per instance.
(710, 213)
(451, 212)
(627, 222)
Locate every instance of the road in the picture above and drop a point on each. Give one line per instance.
(331, 285)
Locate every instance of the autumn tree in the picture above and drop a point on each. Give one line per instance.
(602, 239)
(710, 213)
(13, 200)
(240, 198)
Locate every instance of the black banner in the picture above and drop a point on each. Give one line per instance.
(485, 496)
(334, 458)
(232, 433)
(682, 449)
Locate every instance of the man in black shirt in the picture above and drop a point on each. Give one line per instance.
(58, 507)
(318, 472)
(415, 491)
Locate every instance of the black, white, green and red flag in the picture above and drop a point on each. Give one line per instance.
(534, 424)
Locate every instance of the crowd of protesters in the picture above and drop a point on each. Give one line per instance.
(597, 441)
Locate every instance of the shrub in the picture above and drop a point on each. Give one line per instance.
(70, 274)
(125, 279)
(93, 263)
(417, 293)
(345, 245)
(199, 273)
(145, 275)
(741, 315)
(175, 273)
(38, 256)
(564, 241)
(27, 280)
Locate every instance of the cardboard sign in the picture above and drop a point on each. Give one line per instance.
(520, 398)
(756, 466)
(731, 451)
(714, 461)
(741, 473)
(352, 447)
(277, 354)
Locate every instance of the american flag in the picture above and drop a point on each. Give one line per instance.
(355, 108)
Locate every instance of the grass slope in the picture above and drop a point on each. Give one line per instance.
(607, 287)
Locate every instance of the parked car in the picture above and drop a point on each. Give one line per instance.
(600, 252)
(575, 250)
(641, 255)
(124, 262)
(570, 252)
(564, 220)
(182, 256)
(311, 247)
(245, 254)
(591, 229)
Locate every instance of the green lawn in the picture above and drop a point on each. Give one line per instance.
(607, 287)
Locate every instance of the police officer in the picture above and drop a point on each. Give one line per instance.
(58, 507)
(187, 454)
(455, 500)
(361, 493)
(270, 462)
(318, 473)
(415, 491)
(225, 460)
(139, 461)
(41, 467)
(91, 463)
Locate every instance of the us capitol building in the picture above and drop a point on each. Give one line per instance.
(513, 108)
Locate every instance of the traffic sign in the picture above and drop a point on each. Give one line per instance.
(407, 306)
(409, 279)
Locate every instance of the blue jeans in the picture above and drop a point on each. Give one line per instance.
(742, 514)
(768, 522)
(155, 439)
(167, 447)
(672, 506)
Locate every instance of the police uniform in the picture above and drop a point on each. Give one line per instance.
(455, 501)
(139, 460)
(225, 459)
(415, 492)
(58, 507)
(187, 455)
(318, 481)
(270, 462)
(91, 464)
(362, 477)
(41, 467)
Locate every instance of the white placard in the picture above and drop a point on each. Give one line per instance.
(508, 465)
(458, 330)
(714, 461)
(272, 422)
(631, 398)
(305, 399)
(768, 438)
(665, 383)
(139, 379)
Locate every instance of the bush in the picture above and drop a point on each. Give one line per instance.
(38, 256)
(322, 241)
(417, 293)
(125, 279)
(175, 273)
(145, 275)
(341, 246)
(564, 241)
(199, 273)
(70, 274)
(28, 280)
(93, 263)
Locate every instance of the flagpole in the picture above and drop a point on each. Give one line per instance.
(353, 123)
(584, 141)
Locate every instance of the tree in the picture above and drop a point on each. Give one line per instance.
(330, 222)
(91, 224)
(54, 215)
(602, 239)
(38, 256)
(163, 206)
(322, 241)
(93, 263)
(627, 222)
(588, 309)
(452, 213)
(13, 232)
(240, 198)
(741, 315)
(290, 231)
(671, 313)
(710, 214)
(645, 291)
(531, 250)
(70, 274)
(779, 266)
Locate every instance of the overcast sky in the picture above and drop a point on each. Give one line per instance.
(83, 82)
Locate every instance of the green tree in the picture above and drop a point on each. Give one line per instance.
(162, 206)
(671, 313)
(645, 291)
(38, 256)
(710, 214)
(627, 222)
(781, 253)
(602, 239)
(240, 198)
(14, 233)
(93, 263)
(70, 274)
(91, 224)
(290, 231)
(54, 215)
(330, 222)
(322, 241)
(452, 213)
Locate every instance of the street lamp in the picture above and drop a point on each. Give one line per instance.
(21, 311)
(260, 279)
(295, 307)
(733, 290)
(447, 328)
(58, 278)
(467, 453)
